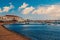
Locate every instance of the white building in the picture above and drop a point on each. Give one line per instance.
(10, 18)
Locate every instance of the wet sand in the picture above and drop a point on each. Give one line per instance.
(9, 35)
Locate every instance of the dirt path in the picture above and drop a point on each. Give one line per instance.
(8, 35)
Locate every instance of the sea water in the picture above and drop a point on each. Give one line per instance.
(37, 32)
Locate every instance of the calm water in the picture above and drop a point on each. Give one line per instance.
(37, 32)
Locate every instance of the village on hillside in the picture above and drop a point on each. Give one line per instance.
(10, 19)
(7, 19)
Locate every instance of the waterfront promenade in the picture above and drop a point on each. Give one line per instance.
(9, 35)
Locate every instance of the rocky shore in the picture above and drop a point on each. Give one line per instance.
(6, 34)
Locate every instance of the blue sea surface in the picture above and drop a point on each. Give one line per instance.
(37, 32)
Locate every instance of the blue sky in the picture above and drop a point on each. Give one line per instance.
(31, 9)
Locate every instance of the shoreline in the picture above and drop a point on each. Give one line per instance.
(12, 31)
(6, 34)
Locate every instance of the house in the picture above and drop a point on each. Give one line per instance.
(11, 18)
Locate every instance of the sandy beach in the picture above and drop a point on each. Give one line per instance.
(9, 35)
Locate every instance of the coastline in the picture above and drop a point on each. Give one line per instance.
(6, 34)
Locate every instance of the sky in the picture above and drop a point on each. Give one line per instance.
(31, 9)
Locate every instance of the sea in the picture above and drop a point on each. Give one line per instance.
(36, 32)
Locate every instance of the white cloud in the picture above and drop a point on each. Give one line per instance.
(40, 10)
(47, 11)
(7, 8)
(28, 10)
(53, 10)
(24, 5)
